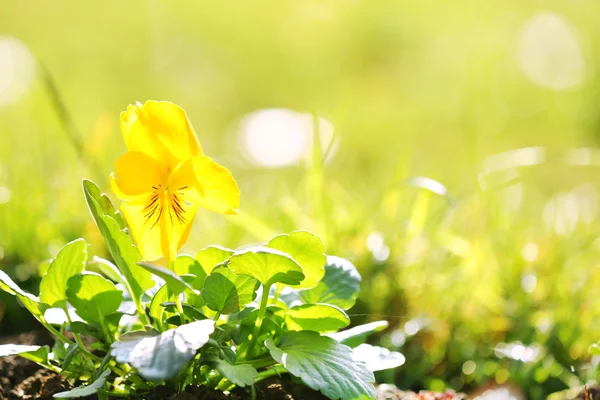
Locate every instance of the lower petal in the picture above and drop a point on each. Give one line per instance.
(147, 236)
(161, 227)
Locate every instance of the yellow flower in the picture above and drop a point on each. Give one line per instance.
(164, 177)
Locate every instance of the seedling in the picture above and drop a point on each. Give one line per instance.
(222, 318)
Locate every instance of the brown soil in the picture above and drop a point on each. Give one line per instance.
(21, 379)
(391, 392)
(282, 389)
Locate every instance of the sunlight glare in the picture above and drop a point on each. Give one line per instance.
(17, 70)
(280, 137)
(549, 52)
(5, 194)
(528, 283)
(530, 252)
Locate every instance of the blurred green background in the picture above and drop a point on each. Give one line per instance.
(457, 165)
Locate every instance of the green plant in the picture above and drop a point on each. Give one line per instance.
(135, 325)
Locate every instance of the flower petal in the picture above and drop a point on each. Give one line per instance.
(128, 117)
(135, 174)
(160, 129)
(147, 239)
(207, 184)
(157, 227)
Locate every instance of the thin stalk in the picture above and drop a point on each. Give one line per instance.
(66, 119)
(124, 395)
(84, 350)
(278, 289)
(217, 316)
(138, 305)
(178, 305)
(180, 309)
(276, 370)
(56, 333)
(224, 384)
(105, 330)
(47, 366)
(214, 380)
(260, 362)
(315, 179)
(77, 337)
(261, 316)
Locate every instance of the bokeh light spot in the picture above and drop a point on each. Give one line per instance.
(5, 194)
(528, 282)
(549, 52)
(17, 70)
(469, 367)
(280, 137)
(530, 252)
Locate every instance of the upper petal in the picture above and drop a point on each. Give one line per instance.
(207, 184)
(160, 129)
(137, 173)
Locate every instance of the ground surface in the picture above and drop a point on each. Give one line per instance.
(24, 380)
(21, 379)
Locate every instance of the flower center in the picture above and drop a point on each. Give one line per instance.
(165, 201)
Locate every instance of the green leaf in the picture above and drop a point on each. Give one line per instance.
(354, 336)
(159, 357)
(83, 391)
(321, 318)
(173, 281)
(267, 265)
(83, 328)
(377, 358)
(95, 330)
(16, 349)
(324, 365)
(188, 310)
(71, 352)
(120, 244)
(241, 375)
(37, 354)
(188, 265)
(246, 319)
(108, 269)
(8, 285)
(93, 297)
(33, 305)
(106, 207)
(156, 309)
(30, 302)
(307, 249)
(226, 292)
(339, 287)
(211, 256)
(69, 262)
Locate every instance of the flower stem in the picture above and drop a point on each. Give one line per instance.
(140, 309)
(224, 384)
(56, 333)
(178, 305)
(259, 319)
(77, 337)
(275, 370)
(277, 293)
(180, 309)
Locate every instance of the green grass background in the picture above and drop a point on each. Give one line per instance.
(414, 89)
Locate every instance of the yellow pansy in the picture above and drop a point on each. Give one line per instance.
(164, 177)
